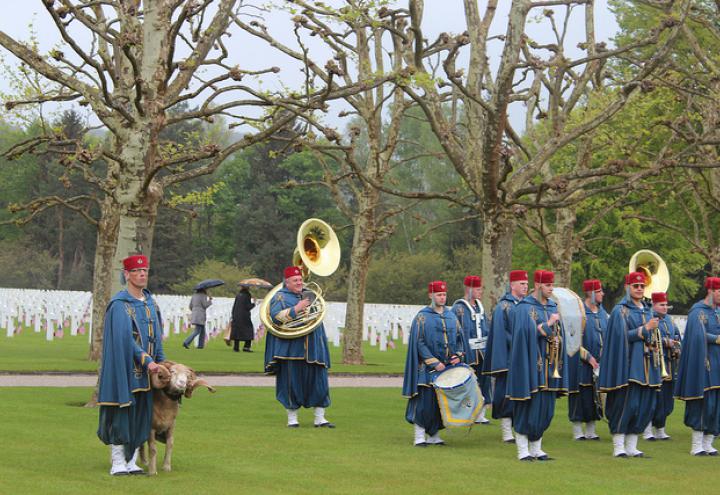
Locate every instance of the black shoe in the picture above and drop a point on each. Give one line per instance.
(296, 425)
(326, 424)
(528, 458)
(665, 439)
(544, 457)
(622, 456)
(137, 472)
(236, 350)
(651, 439)
(437, 443)
(701, 454)
(580, 439)
(185, 345)
(421, 444)
(714, 453)
(512, 440)
(642, 455)
(247, 350)
(595, 438)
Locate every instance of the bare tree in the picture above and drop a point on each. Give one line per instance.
(506, 174)
(130, 62)
(364, 41)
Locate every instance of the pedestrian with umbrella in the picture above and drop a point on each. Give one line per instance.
(242, 327)
(199, 303)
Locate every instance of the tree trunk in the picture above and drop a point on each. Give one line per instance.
(104, 277)
(363, 238)
(497, 243)
(563, 246)
(61, 250)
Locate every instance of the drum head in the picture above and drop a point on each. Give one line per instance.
(572, 314)
(453, 377)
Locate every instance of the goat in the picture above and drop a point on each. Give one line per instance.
(170, 384)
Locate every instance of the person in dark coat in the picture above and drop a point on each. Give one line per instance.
(242, 327)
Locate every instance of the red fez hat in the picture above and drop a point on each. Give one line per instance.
(635, 278)
(135, 261)
(627, 279)
(712, 283)
(658, 297)
(544, 277)
(292, 271)
(592, 285)
(518, 276)
(473, 281)
(437, 286)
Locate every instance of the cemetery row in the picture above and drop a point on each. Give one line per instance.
(56, 313)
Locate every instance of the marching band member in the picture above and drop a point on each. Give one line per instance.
(670, 341)
(497, 352)
(435, 341)
(582, 406)
(300, 365)
(627, 372)
(473, 323)
(537, 367)
(698, 381)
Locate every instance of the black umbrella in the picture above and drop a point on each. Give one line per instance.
(209, 283)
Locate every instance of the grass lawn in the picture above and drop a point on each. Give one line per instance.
(30, 352)
(235, 441)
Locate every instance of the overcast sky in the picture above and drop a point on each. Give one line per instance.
(440, 16)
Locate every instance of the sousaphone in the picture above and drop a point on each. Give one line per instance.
(657, 276)
(317, 252)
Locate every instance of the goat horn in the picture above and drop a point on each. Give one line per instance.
(201, 381)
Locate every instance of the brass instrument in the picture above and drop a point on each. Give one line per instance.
(659, 354)
(317, 252)
(657, 279)
(555, 350)
(657, 276)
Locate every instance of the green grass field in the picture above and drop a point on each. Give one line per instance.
(235, 441)
(30, 352)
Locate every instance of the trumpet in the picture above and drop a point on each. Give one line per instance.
(659, 354)
(555, 357)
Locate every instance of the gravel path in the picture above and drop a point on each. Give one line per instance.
(249, 380)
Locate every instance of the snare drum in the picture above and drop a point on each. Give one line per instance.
(458, 395)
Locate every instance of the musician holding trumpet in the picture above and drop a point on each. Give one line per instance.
(630, 371)
(670, 337)
(537, 367)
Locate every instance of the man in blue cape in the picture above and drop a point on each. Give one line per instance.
(628, 373)
(670, 343)
(435, 341)
(698, 380)
(497, 352)
(583, 407)
(537, 367)
(301, 364)
(471, 315)
(132, 347)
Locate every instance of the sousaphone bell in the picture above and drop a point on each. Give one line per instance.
(657, 276)
(317, 251)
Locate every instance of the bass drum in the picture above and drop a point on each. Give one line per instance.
(572, 316)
